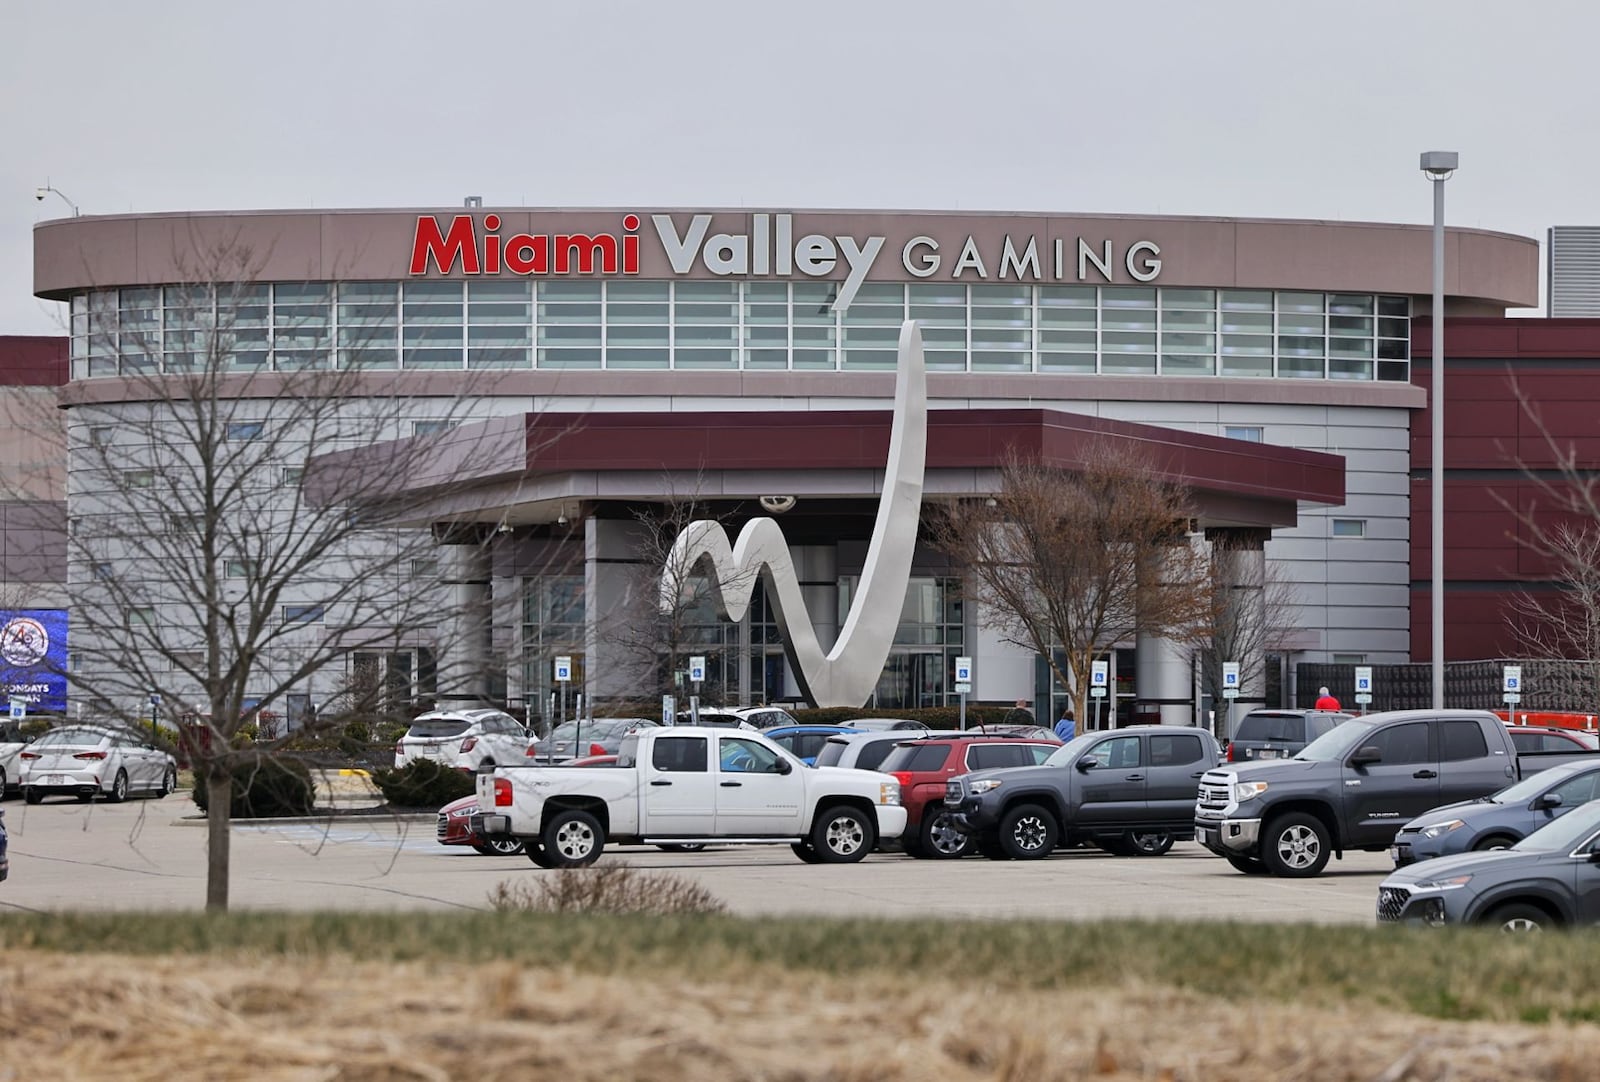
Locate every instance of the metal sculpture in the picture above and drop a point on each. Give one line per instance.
(847, 674)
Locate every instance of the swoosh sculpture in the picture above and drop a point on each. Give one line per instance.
(847, 674)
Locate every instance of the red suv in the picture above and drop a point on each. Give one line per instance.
(923, 766)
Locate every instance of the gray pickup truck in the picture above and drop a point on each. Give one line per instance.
(1129, 791)
(1354, 787)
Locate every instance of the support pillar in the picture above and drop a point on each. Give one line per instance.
(1240, 558)
(466, 632)
(1163, 673)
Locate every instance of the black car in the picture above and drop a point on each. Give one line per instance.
(1278, 734)
(1550, 879)
(1500, 820)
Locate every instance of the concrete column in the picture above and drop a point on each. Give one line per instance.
(1163, 679)
(616, 587)
(1241, 557)
(466, 638)
(818, 569)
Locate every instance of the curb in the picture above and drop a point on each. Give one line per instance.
(331, 816)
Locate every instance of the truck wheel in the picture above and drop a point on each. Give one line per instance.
(1517, 918)
(573, 839)
(842, 835)
(1149, 843)
(1296, 846)
(1247, 865)
(1028, 832)
(535, 852)
(804, 851)
(940, 838)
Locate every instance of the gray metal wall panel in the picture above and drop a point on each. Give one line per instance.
(1572, 264)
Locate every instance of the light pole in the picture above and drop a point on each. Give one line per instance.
(40, 193)
(1438, 165)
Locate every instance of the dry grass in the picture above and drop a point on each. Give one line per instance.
(613, 888)
(267, 1018)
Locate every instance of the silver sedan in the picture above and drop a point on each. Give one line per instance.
(86, 760)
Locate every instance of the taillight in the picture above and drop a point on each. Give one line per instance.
(502, 793)
(533, 750)
(399, 749)
(30, 755)
(1230, 756)
(903, 777)
(90, 755)
(468, 744)
(596, 749)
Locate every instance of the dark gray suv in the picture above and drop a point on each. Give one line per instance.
(1278, 734)
(1550, 879)
(1500, 820)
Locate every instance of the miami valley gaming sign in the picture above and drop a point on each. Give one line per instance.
(33, 659)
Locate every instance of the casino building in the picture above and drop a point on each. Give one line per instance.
(740, 354)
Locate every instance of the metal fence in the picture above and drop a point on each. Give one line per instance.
(1547, 684)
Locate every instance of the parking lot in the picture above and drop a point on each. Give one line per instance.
(151, 855)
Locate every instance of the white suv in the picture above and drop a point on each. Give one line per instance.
(463, 738)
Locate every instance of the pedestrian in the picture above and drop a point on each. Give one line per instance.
(1326, 701)
(1066, 728)
(1018, 715)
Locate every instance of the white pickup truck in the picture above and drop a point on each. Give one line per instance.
(689, 785)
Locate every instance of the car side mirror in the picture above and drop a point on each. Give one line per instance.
(1087, 763)
(1366, 756)
(1548, 801)
(785, 766)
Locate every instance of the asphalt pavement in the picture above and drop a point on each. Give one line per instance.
(150, 854)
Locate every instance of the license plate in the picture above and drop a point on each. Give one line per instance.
(55, 779)
(1267, 753)
(1206, 837)
(1394, 853)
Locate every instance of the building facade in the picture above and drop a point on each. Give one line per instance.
(1260, 335)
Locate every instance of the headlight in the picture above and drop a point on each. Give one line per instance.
(979, 787)
(1247, 790)
(1455, 882)
(889, 792)
(1440, 829)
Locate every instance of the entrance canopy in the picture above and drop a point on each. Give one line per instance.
(544, 467)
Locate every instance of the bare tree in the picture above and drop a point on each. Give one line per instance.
(1068, 563)
(1247, 604)
(217, 563)
(654, 642)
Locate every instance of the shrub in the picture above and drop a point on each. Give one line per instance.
(615, 888)
(264, 788)
(423, 783)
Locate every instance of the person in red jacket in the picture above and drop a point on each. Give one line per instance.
(1326, 701)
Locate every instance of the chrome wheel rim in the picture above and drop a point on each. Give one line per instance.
(574, 840)
(845, 835)
(1519, 925)
(119, 786)
(169, 783)
(1149, 843)
(944, 836)
(1029, 833)
(505, 846)
(1299, 847)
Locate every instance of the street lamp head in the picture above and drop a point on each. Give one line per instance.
(1439, 164)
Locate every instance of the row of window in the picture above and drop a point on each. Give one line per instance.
(658, 325)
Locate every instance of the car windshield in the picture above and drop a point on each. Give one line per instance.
(436, 728)
(1068, 753)
(1534, 784)
(1337, 742)
(1564, 834)
(70, 738)
(592, 729)
(1280, 727)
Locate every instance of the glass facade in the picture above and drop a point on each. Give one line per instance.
(633, 325)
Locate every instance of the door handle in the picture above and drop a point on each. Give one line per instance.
(1134, 777)
(659, 781)
(1198, 774)
(732, 784)
(1426, 774)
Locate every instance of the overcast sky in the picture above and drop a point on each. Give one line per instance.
(1273, 109)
